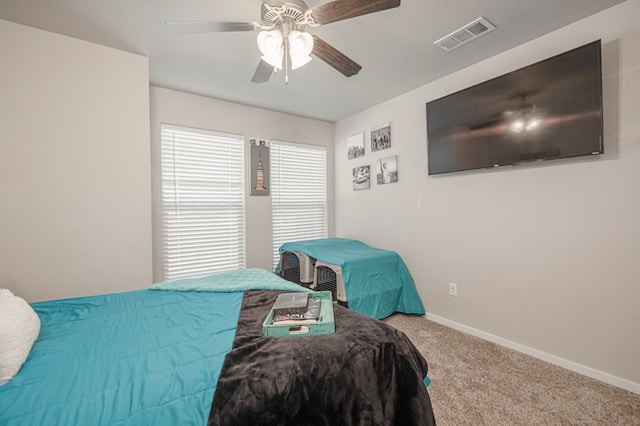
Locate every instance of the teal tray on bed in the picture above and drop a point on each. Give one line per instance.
(324, 325)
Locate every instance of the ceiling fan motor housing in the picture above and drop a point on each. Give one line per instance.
(291, 11)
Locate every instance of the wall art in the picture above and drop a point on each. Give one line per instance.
(361, 178)
(387, 170)
(259, 160)
(355, 146)
(381, 137)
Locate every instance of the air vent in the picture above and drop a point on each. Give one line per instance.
(465, 34)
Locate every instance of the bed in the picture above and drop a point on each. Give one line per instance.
(377, 281)
(158, 356)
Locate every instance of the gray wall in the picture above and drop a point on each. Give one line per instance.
(545, 256)
(76, 164)
(183, 109)
(75, 187)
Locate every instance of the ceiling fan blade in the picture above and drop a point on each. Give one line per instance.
(263, 72)
(339, 10)
(333, 57)
(209, 26)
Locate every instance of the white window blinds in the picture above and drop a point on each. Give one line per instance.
(202, 202)
(298, 193)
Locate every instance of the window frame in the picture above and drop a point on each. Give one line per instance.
(277, 221)
(206, 195)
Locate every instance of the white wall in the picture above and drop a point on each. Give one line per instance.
(183, 109)
(546, 256)
(75, 208)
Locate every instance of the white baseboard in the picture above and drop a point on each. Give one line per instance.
(569, 365)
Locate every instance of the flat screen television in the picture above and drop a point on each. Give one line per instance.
(549, 110)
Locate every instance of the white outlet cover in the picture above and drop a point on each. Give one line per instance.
(453, 289)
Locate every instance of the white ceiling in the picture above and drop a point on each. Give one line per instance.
(394, 47)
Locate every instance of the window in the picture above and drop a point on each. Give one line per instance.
(202, 202)
(298, 193)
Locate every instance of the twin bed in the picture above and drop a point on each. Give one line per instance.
(191, 352)
(377, 282)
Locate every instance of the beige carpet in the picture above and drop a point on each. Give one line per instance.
(475, 382)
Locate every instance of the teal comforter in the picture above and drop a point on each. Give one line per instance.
(242, 280)
(136, 358)
(377, 281)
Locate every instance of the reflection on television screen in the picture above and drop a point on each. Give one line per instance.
(548, 110)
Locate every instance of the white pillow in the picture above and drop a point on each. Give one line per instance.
(19, 328)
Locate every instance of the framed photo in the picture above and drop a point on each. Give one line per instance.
(381, 137)
(387, 170)
(355, 146)
(361, 178)
(259, 160)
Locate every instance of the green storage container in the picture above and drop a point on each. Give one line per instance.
(324, 325)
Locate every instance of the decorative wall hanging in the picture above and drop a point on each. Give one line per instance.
(361, 178)
(259, 160)
(381, 137)
(355, 146)
(387, 170)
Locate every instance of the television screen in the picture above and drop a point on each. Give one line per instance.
(548, 110)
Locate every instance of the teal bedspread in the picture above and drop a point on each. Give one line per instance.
(377, 281)
(136, 358)
(245, 279)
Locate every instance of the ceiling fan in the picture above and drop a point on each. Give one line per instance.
(283, 41)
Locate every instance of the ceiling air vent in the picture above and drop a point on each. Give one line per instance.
(465, 34)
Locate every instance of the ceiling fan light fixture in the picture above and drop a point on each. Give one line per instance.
(300, 47)
(270, 44)
(298, 62)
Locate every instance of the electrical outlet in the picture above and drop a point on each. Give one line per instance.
(453, 289)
